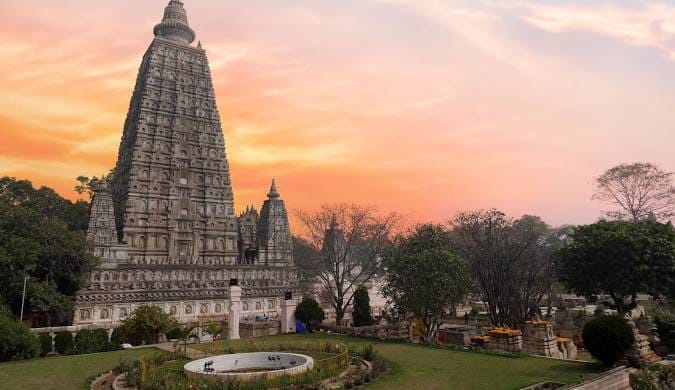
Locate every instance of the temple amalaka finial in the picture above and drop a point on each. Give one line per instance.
(273, 190)
(174, 25)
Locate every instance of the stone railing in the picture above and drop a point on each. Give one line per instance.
(616, 379)
(383, 332)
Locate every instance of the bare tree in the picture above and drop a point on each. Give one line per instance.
(639, 190)
(346, 243)
(511, 259)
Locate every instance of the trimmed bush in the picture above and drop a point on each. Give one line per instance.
(46, 345)
(64, 344)
(309, 313)
(91, 341)
(117, 338)
(84, 342)
(607, 338)
(17, 341)
(100, 340)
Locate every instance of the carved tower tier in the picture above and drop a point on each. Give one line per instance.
(165, 228)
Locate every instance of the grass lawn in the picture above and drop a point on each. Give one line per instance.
(423, 367)
(63, 372)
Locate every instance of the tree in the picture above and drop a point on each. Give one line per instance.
(607, 338)
(425, 277)
(512, 260)
(146, 324)
(309, 313)
(214, 329)
(361, 313)
(182, 333)
(88, 186)
(639, 190)
(619, 258)
(346, 243)
(43, 237)
(17, 341)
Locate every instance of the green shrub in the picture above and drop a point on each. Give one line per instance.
(607, 338)
(46, 344)
(174, 333)
(146, 324)
(117, 338)
(369, 353)
(309, 313)
(655, 377)
(665, 327)
(100, 338)
(17, 341)
(64, 344)
(84, 342)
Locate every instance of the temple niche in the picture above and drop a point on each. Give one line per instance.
(165, 226)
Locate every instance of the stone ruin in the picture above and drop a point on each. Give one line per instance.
(505, 340)
(640, 353)
(540, 340)
(537, 338)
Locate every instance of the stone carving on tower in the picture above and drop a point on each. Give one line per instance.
(165, 226)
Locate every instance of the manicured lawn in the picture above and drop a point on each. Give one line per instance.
(422, 367)
(63, 372)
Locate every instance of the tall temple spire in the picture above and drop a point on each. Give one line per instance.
(273, 191)
(174, 25)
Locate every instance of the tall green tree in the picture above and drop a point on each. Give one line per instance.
(43, 237)
(361, 313)
(425, 277)
(620, 259)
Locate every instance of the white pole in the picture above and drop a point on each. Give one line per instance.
(23, 298)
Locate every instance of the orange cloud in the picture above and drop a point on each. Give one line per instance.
(425, 108)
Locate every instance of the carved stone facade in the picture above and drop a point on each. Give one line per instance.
(165, 227)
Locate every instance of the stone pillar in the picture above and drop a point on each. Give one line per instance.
(235, 307)
(288, 315)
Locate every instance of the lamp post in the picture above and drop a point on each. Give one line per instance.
(23, 298)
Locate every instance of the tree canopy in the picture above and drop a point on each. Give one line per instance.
(639, 191)
(341, 248)
(619, 258)
(146, 325)
(512, 260)
(425, 277)
(43, 237)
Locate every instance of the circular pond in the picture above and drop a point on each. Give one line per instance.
(249, 366)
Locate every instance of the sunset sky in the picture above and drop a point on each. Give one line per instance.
(424, 107)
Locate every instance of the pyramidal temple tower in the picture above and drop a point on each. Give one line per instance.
(165, 227)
